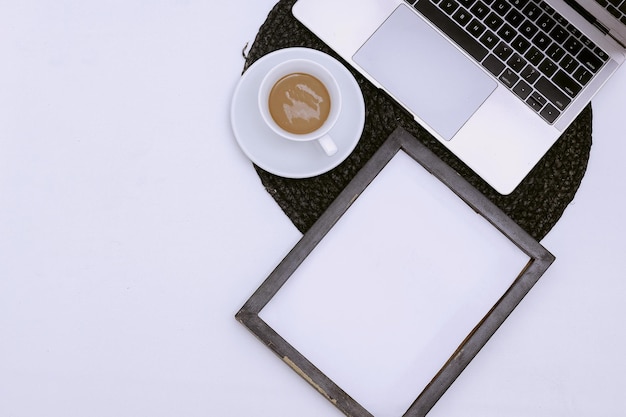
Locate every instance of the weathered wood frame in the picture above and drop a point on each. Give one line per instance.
(540, 260)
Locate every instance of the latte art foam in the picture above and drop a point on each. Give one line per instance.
(299, 103)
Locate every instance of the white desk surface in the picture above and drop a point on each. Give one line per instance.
(132, 228)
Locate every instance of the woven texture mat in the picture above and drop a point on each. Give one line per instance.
(536, 204)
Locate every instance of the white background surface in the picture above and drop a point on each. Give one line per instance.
(132, 229)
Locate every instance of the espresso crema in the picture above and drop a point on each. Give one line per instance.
(299, 103)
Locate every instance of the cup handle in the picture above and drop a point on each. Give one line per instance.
(328, 145)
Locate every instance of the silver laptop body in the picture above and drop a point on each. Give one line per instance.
(490, 117)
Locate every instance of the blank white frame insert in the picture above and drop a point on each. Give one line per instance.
(394, 319)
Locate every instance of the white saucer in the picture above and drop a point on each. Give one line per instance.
(283, 157)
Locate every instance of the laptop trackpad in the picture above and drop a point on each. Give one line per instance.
(424, 72)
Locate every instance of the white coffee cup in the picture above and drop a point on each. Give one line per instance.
(305, 66)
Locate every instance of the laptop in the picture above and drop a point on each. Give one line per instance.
(496, 81)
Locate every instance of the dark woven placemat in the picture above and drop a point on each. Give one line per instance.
(536, 204)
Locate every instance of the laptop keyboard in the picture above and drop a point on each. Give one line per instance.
(616, 7)
(525, 44)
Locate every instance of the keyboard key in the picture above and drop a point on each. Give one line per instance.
(559, 19)
(586, 41)
(559, 34)
(503, 51)
(534, 55)
(573, 46)
(555, 52)
(522, 89)
(552, 93)
(462, 17)
(566, 83)
(532, 12)
(518, 4)
(528, 29)
(514, 18)
(448, 6)
(590, 60)
(493, 21)
(614, 11)
(509, 78)
(520, 44)
(569, 64)
(530, 74)
(582, 75)
(547, 67)
(480, 10)
(501, 7)
(601, 54)
(493, 65)
(573, 31)
(507, 33)
(489, 39)
(476, 28)
(542, 41)
(536, 101)
(517, 63)
(546, 8)
(550, 113)
(546, 23)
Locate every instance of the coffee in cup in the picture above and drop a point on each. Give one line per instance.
(301, 101)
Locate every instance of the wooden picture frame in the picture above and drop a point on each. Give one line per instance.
(539, 261)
